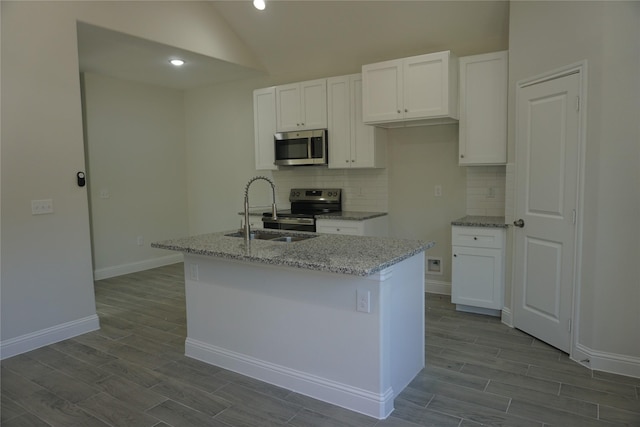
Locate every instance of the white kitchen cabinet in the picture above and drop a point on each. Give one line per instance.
(377, 226)
(417, 90)
(483, 109)
(301, 106)
(352, 144)
(477, 274)
(264, 126)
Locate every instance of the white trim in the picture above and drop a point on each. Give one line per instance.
(54, 334)
(365, 402)
(507, 317)
(437, 287)
(134, 267)
(619, 364)
(579, 68)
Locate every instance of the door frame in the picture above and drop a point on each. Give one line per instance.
(580, 68)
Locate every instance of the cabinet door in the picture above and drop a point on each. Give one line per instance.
(313, 103)
(483, 109)
(339, 122)
(382, 91)
(288, 107)
(368, 143)
(264, 126)
(426, 85)
(476, 277)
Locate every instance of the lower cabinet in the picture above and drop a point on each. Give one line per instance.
(477, 275)
(369, 227)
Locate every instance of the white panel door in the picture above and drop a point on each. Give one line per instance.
(547, 188)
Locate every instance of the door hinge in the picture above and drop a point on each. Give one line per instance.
(577, 103)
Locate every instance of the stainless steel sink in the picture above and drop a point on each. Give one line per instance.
(273, 237)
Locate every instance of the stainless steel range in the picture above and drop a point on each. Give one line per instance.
(306, 203)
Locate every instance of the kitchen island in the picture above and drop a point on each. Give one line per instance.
(338, 318)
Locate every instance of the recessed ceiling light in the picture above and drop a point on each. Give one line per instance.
(177, 62)
(259, 4)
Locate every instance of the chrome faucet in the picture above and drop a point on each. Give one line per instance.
(274, 213)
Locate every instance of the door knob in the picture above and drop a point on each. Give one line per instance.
(519, 223)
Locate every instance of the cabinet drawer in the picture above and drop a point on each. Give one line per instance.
(477, 237)
(353, 228)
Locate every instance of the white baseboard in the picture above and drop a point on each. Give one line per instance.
(358, 400)
(607, 362)
(134, 267)
(33, 340)
(507, 317)
(437, 286)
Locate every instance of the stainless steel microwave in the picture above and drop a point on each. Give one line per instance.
(297, 148)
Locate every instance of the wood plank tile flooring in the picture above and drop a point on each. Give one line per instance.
(132, 372)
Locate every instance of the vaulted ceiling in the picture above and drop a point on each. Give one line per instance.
(306, 37)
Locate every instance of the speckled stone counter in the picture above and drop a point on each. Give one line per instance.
(481, 221)
(351, 215)
(352, 255)
(342, 216)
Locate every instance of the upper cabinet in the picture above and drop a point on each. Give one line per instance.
(483, 109)
(264, 126)
(352, 144)
(301, 106)
(418, 90)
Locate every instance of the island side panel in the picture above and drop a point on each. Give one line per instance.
(406, 321)
(295, 328)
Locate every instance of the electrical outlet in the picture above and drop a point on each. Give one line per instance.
(39, 207)
(437, 190)
(363, 301)
(140, 240)
(193, 272)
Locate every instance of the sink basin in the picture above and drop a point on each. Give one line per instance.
(274, 237)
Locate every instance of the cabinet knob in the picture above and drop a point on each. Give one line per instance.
(337, 229)
(475, 238)
(352, 161)
(399, 111)
(347, 161)
(462, 156)
(406, 110)
(455, 255)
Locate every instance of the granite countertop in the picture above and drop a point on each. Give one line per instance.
(342, 216)
(352, 255)
(481, 221)
(350, 215)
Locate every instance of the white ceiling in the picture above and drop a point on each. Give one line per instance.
(307, 38)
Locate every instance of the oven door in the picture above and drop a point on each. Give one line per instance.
(295, 224)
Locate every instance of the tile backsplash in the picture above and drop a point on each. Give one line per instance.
(486, 189)
(362, 189)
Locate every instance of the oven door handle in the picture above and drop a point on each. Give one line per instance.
(294, 221)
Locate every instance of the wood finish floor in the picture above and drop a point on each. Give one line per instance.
(132, 372)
